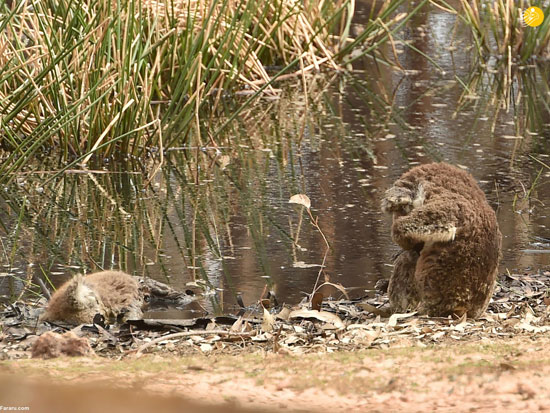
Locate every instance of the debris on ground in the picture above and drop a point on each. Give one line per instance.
(519, 306)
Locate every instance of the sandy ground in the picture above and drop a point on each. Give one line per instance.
(507, 375)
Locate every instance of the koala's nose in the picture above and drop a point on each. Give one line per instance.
(401, 212)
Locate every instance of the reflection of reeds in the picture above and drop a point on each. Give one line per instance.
(492, 91)
(106, 219)
(499, 31)
(107, 77)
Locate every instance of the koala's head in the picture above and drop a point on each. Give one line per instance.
(82, 297)
(401, 200)
(75, 303)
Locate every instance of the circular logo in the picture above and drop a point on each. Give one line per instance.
(533, 16)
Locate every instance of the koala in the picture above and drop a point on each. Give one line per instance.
(450, 240)
(112, 294)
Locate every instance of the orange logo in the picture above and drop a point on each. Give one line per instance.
(533, 16)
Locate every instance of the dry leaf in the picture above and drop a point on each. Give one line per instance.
(237, 325)
(438, 335)
(284, 314)
(267, 322)
(339, 287)
(206, 348)
(317, 301)
(300, 199)
(393, 319)
(380, 311)
(318, 315)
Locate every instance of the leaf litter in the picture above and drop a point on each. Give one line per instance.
(519, 307)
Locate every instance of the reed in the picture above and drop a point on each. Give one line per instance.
(499, 31)
(522, 91)
(117, 78)
(173, 229)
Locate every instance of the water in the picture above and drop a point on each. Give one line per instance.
(232, 229)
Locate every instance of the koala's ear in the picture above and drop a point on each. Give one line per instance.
(385, 205)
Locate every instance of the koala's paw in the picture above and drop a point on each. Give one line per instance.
(398, 199)
(438, 232)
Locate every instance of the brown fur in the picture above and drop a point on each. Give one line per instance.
(109, 293)
(51, 345)
(451, 242)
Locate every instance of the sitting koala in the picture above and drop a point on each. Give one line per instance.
(450, 239)
(112, 294)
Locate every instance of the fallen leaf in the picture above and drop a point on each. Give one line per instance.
(318, 315)
(237, 325)
(392, 322)
(267, 322)
(339, 287)
(438, 335)
(317, 301)
(284, 314)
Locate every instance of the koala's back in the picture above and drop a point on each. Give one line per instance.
(442, 178)
(109, 293)
(455, 236)
(118, 291)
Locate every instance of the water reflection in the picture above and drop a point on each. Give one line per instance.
(224, 222)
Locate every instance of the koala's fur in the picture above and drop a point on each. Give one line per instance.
(450, 239)
(112, 294)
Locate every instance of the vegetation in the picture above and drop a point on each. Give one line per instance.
(116, 219)
(125, 76)
(499, 30)
(491, 92)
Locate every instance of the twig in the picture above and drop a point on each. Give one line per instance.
(140, 350)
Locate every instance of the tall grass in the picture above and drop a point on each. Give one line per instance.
(119, 77)
(499, 31)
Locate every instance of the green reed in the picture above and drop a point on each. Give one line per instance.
(116, 78)
(499, 31)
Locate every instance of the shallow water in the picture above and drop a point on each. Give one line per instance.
(343, 146)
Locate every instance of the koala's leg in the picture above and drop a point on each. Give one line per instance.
(442, 280)
(455, 278)
(402, 289)
(433, 222)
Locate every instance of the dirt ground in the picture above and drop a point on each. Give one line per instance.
(485, 376)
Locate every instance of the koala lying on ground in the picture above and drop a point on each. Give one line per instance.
(112, 294)
(450, 239)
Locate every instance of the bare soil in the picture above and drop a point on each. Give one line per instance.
(485, 376)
